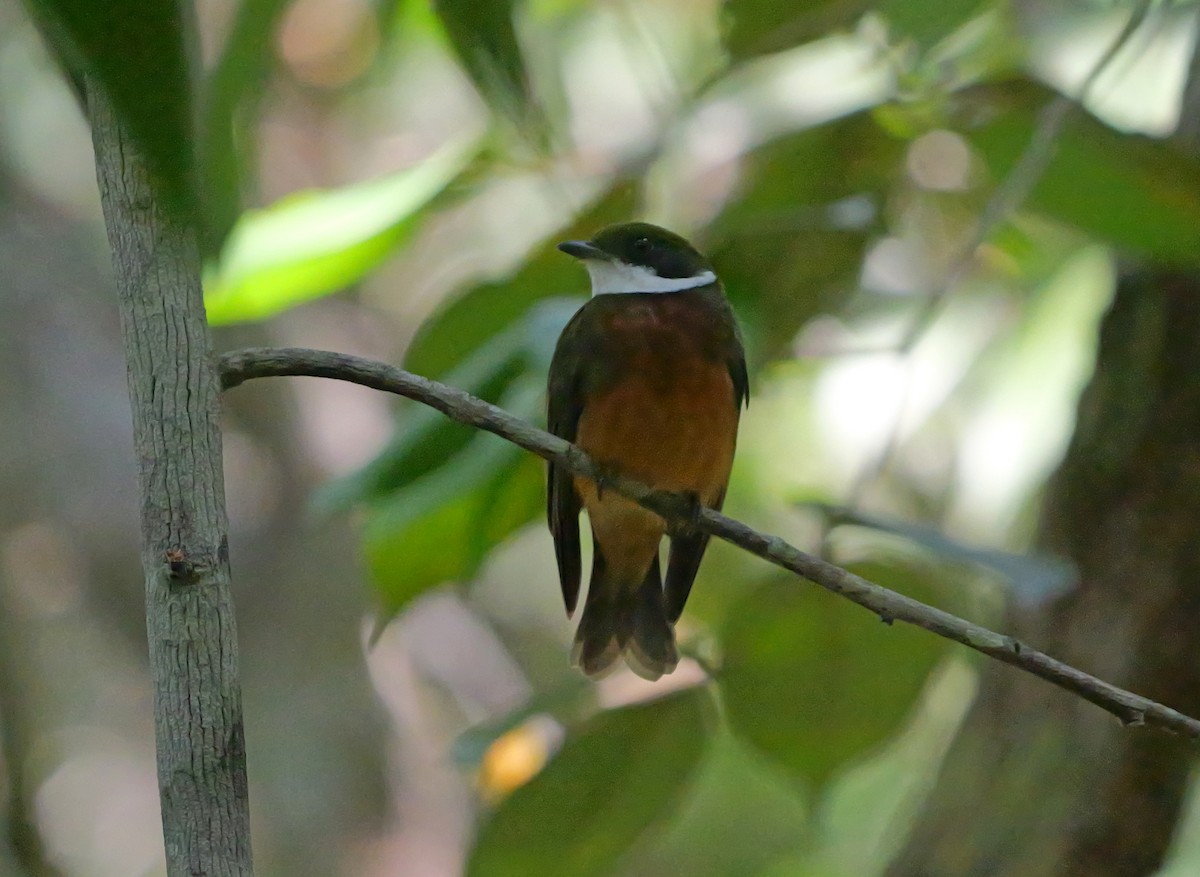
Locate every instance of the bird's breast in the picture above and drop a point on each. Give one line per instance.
(666, 416)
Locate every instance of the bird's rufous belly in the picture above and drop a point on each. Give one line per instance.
(672, 432)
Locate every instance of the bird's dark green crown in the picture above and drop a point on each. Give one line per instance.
(645, 245)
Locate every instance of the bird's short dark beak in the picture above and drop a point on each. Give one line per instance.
(582, 250)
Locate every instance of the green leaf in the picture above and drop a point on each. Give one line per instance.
(624, 773)
(440, 527)
(232, 92)
(566, 700)
(482, 35)
(426, 438)
(762, 27)
(1131, 191)
(313, 243)
(468, 321)
(813, 681)
(793, 237)
(741, 814)
(444, 495)
(139, 54)
(927, 21)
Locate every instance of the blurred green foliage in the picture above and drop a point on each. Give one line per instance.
(583, 813)
(231, 96)
(1135, 192)
(469, 320)
(759, 27)
(798, 210)
(791, 655)
(314, 243)
(140, 56)
(792, 239)
(484, 38)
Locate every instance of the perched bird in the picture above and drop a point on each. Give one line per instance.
(648, 378)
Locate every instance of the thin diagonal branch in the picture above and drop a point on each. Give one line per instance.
(240, 366)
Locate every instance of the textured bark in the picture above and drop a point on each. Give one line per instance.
(174, 392)
(1038, 784)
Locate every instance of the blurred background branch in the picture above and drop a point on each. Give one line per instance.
(17, 738)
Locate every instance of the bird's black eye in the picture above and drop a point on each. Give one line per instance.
(641, 245)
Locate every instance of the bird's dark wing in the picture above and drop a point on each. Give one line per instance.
(741, 380)
(684, 563)
(564, 403)
(735, 361)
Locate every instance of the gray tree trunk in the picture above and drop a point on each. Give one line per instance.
(174, 392)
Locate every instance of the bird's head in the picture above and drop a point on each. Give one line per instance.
(640, 257)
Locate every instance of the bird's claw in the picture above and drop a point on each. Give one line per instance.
(689, 524)
(604, 478)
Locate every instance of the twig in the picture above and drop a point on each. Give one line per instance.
(240, 366)
(1012, 192)
(1024, 176)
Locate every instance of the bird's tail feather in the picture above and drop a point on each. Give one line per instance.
(624, 619)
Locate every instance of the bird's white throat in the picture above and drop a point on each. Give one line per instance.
(620, 277)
